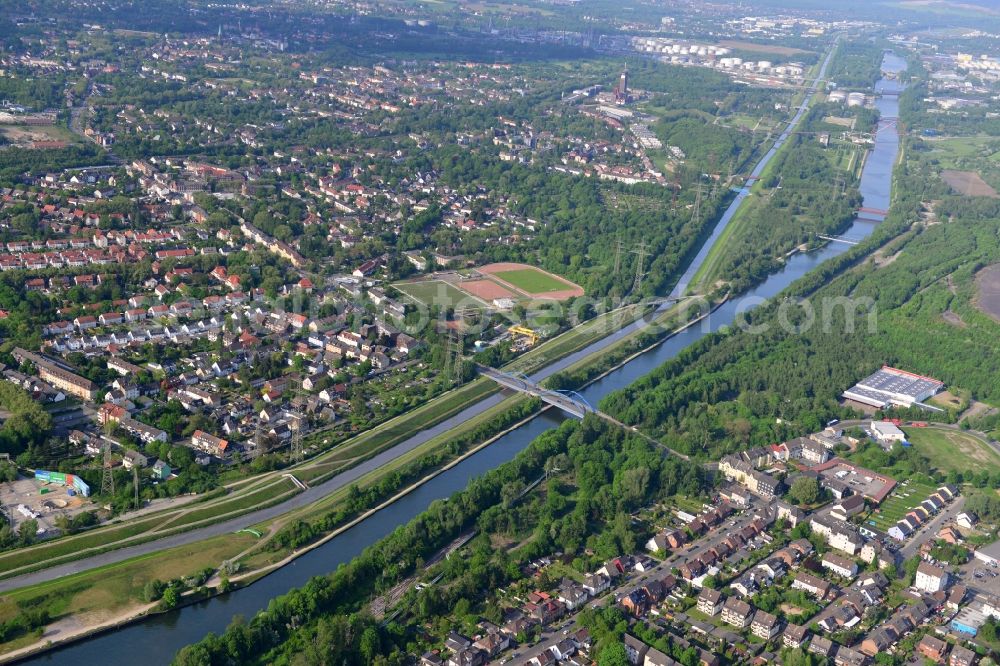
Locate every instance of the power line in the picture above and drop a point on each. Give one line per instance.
(639, 273)
(297, 438)
(256, 450)
(696, 213)
(108, 480)
(455, 346)
(135, 484)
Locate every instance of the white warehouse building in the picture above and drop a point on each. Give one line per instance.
(890, 386)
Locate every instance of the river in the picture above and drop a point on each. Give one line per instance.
(156, 639)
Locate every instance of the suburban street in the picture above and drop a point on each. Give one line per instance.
(927, 532)
(349, 476)
(560, 631)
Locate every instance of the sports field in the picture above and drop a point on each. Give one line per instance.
(440, 293)
(486, 289)
(531, 281)
(478, 288)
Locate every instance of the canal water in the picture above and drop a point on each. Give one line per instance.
(155, 640)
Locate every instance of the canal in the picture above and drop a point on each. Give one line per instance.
(156, 639)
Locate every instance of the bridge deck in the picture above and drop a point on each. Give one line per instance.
(573, 407)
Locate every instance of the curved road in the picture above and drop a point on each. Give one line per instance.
(347, 477)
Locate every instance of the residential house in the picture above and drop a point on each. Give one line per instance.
(794, 635)
(736, 612)
(814, 585)
(812, 451)
(962, 656)
(821, 646)
(468, 657)
(146, 433)
(657, 543)
(839, 565)
(793, 514)
(635, 650)
(845, 656)
(930, 578)
(492, 643)
(656, 658)
(211, 444)
(901, 531)
(848, 507)
(57, 375)
(456, 642)
(764, 625)
(134, 459)
(636, 602)
(572, 595)
(710, 601)
(933, 648)
(966, 520)
(839, 535)
(161, 470)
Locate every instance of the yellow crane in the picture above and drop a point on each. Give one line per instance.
(526, 332)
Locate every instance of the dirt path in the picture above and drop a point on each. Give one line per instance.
(73, 627)
(975, 409)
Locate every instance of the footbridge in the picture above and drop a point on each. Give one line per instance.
(838, 239)
(570, 402)
(873, 211)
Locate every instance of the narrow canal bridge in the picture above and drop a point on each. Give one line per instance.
(838, 239)
(873, 211)
(570, 402)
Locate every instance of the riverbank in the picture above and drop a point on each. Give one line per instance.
(159, 637)
(757, 191)
(325, 473)
(54, 639)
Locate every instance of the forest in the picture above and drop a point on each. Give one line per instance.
(35, 93)
(16, 161)
(730, 389)
(25, 423)
(579, 237)
(802, 193)
(856, 64)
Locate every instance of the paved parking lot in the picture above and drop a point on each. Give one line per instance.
(987, 580)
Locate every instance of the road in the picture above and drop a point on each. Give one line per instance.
(927, 532)
(688, 276)
(76, 125)
(552, 636)
(311, 495)
(347, 477)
